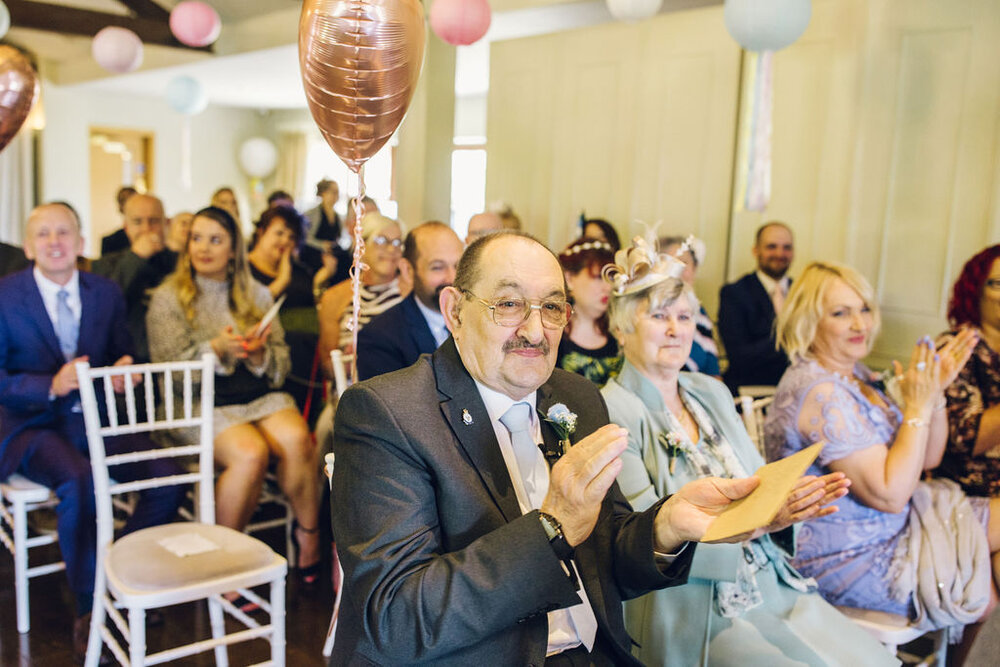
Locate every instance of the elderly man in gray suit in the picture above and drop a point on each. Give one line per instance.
(460, 545)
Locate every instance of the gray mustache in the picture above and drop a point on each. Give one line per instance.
(521, 344)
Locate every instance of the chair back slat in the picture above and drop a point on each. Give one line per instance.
(90, 378)
(340, 363)
(168, 394)
(112, 405)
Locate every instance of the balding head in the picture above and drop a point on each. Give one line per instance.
(52, 239)
(433, 250)
(482, 224)
(143, 215)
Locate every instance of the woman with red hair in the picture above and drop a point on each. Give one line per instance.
(972, 457)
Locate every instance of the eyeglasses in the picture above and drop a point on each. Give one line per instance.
(511, 312)
(381, 241)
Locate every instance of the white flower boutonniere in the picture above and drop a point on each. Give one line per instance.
(564, 422)
(672, 442)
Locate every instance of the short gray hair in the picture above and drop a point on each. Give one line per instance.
(623, 310)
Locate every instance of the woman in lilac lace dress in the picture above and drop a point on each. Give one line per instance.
(897, 545)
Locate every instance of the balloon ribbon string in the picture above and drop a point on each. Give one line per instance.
(357, 268)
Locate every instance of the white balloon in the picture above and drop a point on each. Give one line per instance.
(258, 157)
(4, 19)
(634, 10)
(767, 25)
(117, 50)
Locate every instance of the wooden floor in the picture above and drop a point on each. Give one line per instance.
(49, 643)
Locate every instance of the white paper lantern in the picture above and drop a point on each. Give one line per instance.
(117, 50)
(767, 25)
(634, 10)
(4, 19)
(258, 157)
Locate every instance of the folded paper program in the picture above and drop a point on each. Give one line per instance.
(187, 544)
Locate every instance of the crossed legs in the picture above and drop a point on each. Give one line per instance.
(243, 452)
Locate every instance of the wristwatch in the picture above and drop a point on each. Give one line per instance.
(554, 531)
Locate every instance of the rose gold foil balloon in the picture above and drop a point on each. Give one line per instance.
(18, 89)
(360, 61)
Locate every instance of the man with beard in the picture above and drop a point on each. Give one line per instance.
(415, 326)
(748, 308)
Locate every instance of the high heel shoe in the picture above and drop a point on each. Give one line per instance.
(308, 574)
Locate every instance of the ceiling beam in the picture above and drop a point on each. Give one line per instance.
(147, 9)
(85, 22)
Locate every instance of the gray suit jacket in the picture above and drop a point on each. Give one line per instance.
(439, 564)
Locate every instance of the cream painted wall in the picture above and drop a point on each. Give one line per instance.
(627, 122)
(216, 135)
(886, 151)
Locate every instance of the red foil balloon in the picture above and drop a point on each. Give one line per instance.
(18, 89)
(360, 61)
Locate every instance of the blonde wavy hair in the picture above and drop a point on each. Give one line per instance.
(803, 309)
(241, 302)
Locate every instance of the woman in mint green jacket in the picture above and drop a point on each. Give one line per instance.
(743, 605)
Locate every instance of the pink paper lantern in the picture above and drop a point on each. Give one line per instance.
(117, 50)
(195, 23)
(460, 22)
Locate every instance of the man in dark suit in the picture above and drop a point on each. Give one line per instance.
(414, 326)
(459, 545)
(52, 316)
(748, 307)
(141, 267)
(118, 240)
(12, 259)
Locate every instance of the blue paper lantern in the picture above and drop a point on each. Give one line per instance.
(185, 95)
(767, 25)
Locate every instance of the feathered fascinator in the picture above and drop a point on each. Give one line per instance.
(642, 266)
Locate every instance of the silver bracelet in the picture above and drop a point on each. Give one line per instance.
(915, 422)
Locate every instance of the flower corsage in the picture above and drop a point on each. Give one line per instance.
(672, 442)
(564, 423)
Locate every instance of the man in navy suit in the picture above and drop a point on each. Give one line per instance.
(414, 326)
(748, 308)
(52, 316)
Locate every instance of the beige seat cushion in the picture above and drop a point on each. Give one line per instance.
(140, 561)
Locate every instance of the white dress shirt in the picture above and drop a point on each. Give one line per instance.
(435, 320)
(568, 627)
(50, 295)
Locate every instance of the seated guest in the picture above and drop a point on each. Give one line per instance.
(747, 311)
(972, 457)
(211, 304)
(52, 316)
(508, 218)
(118, 240)
(743, 603)
(225, 198)
(586, 347)
(459, 545)
(177, 230)
(273, 264)
(12, 259)
(414, 326)
(602, 230)
(380, 289)
(280, 198)
(704, 353)
(482, 224)
(141, 267)
(326, 234)
(916, 549)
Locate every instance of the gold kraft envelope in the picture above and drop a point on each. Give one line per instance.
(760, 507)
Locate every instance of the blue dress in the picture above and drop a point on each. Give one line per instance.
(854, 554)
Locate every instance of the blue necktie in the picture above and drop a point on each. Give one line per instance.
(517, 420)
(67, 328)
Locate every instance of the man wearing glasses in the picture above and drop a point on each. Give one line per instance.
(459, 544)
